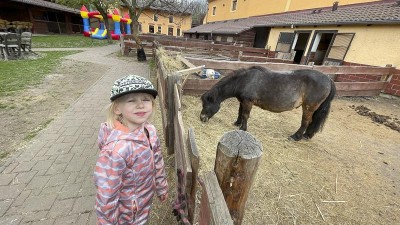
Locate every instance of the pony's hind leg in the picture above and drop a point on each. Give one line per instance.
(245, 114)
(305, 121)
(239, 119)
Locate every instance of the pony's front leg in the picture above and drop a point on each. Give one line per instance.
(305, 121)
(246, 108)
(239, 118)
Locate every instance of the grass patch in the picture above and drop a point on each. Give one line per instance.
(152, 64)
(4, 154)
(16, 75)
(34, 132)
(67, 41)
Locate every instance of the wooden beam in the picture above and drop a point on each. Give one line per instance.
(357, 86)
(195, 164)
(186, 62)
(213, 208)
(190, 70)
(234, 65)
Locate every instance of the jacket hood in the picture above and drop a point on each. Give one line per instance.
(107, 134)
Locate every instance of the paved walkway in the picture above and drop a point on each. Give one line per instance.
(50, 181)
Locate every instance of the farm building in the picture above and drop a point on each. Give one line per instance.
(163, 21)
(360, 34)
(219, 10)
(41, 16)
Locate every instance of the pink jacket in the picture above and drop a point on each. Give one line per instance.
(127, 173)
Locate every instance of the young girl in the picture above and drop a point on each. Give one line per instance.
(130, 166)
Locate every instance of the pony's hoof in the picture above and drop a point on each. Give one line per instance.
(307, 137)
(294, 138)
(237, 124)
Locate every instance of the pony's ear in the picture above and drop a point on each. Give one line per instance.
(211, 98)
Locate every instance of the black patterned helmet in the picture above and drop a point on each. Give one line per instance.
(132, 84)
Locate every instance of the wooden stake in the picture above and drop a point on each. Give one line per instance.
(236, 163)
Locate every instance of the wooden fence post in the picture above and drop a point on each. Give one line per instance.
(171, 81)
(236, 163)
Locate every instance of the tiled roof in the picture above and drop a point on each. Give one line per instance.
(49, 5)
(382, 12)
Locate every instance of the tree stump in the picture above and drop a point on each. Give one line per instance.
(236, 163)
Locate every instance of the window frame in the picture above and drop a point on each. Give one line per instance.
(280, 41)
(338, 50)
(171, 19)
(151, 25)
(172, 33)
(234, 5)
(155, 17)
(214, 10)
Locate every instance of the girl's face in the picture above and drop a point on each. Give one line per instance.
(136, 109)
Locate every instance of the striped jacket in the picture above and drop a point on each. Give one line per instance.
(127, 174)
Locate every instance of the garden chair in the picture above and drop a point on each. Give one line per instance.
(12, 44)
(3, 51)
(26, 41)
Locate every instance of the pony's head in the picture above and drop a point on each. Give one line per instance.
(210, 106)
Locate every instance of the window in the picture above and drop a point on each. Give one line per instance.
(155, 18)
(284, 42)
(171, 19)
(218, 38)
(338, 48)
(214, 10)
(178, 32)
(234, 5)
(229, 39)
(170, 31)
(159, 30)
(140, 27)
(151, 29)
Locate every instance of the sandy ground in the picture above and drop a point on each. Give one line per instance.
(347, 174)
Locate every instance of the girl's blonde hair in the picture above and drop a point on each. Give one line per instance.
(112, 117)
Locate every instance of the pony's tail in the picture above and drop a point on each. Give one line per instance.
(321, 114)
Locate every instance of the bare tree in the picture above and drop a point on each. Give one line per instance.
(166, 7)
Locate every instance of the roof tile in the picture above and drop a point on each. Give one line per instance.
(381, 12)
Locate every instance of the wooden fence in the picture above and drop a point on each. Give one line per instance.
(214, 209)
(188, 45)
(349, 80)
(380, 76)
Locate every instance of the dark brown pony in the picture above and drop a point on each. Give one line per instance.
(275, 92)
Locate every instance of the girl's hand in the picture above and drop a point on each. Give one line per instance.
(163, 197)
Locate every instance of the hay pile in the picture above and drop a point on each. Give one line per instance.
(334, 178)
(348, 174)
(169, 59)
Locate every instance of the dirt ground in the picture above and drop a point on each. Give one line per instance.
(347, 174)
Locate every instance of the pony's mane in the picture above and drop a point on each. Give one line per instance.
(236, 74)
